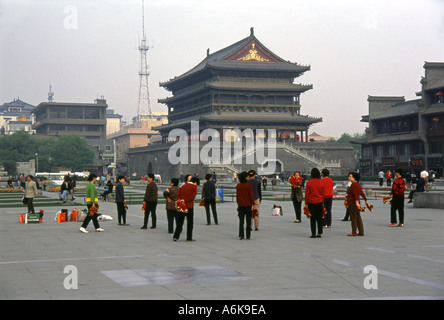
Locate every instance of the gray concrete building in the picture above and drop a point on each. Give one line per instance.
(407, 134)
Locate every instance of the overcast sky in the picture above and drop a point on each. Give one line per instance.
(87, 49)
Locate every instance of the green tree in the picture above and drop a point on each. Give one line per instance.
(348, 138)
(72, 151)
(10, 166)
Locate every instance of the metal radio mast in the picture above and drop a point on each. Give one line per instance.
(144, 106)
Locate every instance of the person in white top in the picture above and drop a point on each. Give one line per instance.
(381, 177)
(425, 175)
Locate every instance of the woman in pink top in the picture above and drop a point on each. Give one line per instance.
(314, 201)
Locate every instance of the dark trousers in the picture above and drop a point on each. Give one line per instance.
(171, 216)
(89, 218)
(150, 209)
(179, 224)
(30, 205)
(316, 210)
(356, 220)
(381, 182)
(412, 193)
(397, 204)
(121, 213)
(327, 204)
(244, 214)
(297, 209)
(212, 203)
(347, 215)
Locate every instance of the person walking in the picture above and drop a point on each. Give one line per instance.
(92, 203)
(30, 193)
(121, 202)
(209, 197)
(150, 202)
(397, 204)
(353, 203)
(296, 194)
(170, 195)
(257, 195)
(328, 196)
(314, 202)
(187, 193)
(245, 202)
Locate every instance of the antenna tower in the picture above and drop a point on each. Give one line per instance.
(144, 107)
(50, 95)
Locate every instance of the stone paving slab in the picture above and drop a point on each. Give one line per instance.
(280, 262)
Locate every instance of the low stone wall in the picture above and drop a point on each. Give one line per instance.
(428, 200)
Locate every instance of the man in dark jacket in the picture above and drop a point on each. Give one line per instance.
(150, 201)
(209, 197)
(120, 201)
(420, 186)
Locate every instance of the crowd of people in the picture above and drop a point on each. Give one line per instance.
(180, 202)
(318, 200)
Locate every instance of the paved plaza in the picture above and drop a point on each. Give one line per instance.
(281, 262)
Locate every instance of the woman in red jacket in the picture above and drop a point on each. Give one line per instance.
(314, 202)
(354, 193)
(245, 202)
(187, 193)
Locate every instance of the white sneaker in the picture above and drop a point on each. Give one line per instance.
(83, 230)
(99, 230)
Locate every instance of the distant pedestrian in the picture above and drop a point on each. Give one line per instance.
(108, 190)
(425, 175)
(388, 176)
(408, 180)
(187, 193)
(397, 204)
(170, 195)
(420, 187)
(314, 202)
(381, 178)
(274, 184)
(121, 202)
(245, 203)
(30, 193)
(92, 203)
(150, 202)
(257, 195)
(296, 194)
(65, 190)
(209, 197)
(347, 211)
(264, 183)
